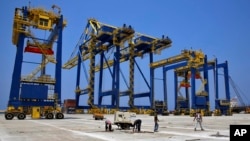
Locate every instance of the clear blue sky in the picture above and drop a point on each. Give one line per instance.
(220, 28)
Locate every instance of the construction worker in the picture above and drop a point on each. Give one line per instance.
(137, 125)
(198, 118)
(108, 125)
(156, 120)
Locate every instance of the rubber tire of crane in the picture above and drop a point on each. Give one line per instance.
(59, 116)
(9, 116)
(21, 116)
(49, 116)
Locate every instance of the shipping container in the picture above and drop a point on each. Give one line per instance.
(69, 103)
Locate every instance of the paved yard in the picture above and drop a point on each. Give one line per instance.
(84, 127)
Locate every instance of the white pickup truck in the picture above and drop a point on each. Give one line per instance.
(124, 120)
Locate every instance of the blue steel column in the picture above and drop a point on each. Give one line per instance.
(216, 85)
(78, 75)
(175, 90)
(16, 76)
(226, 79)
(58, 70)
(15, 84)
(151, 81)
(113, 82)
(165, 87)
(193, 95)
(100, 79)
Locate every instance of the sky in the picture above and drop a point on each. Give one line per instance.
(220, 28)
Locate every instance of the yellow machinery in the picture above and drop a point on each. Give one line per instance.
(36, 112)
(79, 111)
(19, 112)
(97, 113)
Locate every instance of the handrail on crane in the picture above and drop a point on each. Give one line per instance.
(33, 73)
(57, 7)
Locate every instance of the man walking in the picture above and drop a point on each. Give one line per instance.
(198, 119)
(156, 120)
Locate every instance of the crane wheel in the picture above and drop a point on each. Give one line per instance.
(21, 116)
(59, 116)
(49, 116)
(9, 116)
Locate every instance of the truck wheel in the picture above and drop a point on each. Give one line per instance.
(123, 126)
(9, 116)
(49, 116)
(59, 116)
(21, 116)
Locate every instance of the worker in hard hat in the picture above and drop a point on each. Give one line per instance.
(198, 119)
(108, 125)
(137, 125)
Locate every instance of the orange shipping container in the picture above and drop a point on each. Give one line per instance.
(69, 103)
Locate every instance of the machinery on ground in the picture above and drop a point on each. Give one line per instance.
(98, 116)
(160, 108)
(38, 95)
(124, 120)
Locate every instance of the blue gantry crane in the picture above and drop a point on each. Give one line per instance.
(187, 60)
(38, 95)
(201, 99)
(197, 99)
(98, 39)
(189, 65)
(113, 45)
(222, 102)
(106, 47)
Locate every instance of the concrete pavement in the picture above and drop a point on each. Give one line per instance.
(84, 127)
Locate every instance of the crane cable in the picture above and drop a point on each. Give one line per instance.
(237, 91)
